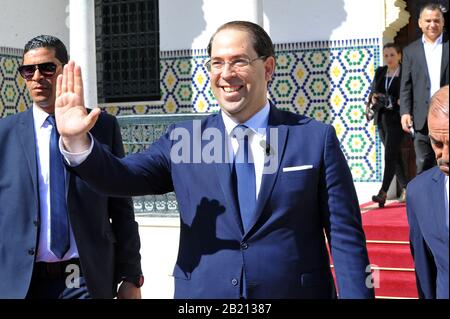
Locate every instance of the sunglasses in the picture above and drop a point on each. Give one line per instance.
(47, 69)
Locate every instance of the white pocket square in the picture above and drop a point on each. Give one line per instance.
(297, 168)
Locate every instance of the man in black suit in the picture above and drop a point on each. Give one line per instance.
(427, 207)
(76, 245)
(424, 71)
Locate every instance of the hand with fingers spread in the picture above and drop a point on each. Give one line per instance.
(72, 119)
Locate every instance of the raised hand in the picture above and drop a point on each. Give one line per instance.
(72, 119)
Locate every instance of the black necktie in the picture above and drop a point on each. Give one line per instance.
(59, 224)
(245, 176)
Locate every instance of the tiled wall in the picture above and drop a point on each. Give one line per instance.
(327, 80)
(14, 96)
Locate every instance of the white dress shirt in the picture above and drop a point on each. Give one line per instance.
(43, 130)
(446, 204)
(258, 124)
(433, 55)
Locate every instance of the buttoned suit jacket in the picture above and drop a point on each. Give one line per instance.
(283, 253)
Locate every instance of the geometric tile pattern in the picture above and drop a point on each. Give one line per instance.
(14, 96)
(138, 132)
(327, 80)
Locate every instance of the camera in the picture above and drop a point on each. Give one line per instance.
(383, 101)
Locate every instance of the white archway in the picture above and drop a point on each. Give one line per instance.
(396, 17)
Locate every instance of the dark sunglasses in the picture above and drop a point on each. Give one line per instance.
(47, 69)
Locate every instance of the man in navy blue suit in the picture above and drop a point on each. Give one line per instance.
(93, 244)
(427, 207)
(261, 191)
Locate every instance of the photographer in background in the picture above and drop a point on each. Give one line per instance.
(384, 105)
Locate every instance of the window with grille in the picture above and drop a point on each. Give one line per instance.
(127, 44)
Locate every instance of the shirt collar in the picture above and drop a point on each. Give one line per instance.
(39, 116)
(256, 123)
(447, 191)
(437, 42)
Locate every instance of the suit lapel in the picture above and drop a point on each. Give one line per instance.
(423, 59)
(224, 174)
(276, 151)
(27, 138)
(438, 199)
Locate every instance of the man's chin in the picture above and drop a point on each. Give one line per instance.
(42, 104)
(444, 169)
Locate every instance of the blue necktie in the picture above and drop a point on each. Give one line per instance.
(59, 224)
(245, 176)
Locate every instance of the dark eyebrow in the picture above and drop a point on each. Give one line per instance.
(234, 57)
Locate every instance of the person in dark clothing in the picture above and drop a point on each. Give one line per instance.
(425, 70)
(385, 96)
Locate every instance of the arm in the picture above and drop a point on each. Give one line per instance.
(74, 124)
(139, 174)
(144, 173)
(425, 268)
(121, 212)
(342, 222)
(406, 93)
(373, 96)
(376, 80)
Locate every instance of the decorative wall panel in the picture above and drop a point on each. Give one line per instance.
(327, 80)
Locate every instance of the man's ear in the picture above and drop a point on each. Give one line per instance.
(419, 22)
(269, 66)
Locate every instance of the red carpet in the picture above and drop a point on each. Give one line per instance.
(387, 235)
(388, 223)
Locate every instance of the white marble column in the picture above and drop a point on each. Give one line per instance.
(82, 46)
(255, 10)
(218, 12)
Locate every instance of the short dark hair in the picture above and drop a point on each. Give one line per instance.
(432, 6)
(392, 45)
(262, 43)
(48, 41)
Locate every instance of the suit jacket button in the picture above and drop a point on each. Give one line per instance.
(31, 251)
(36, 223)
(244, 245)
(234, 282)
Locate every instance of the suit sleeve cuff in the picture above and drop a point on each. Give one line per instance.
(75, 159)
